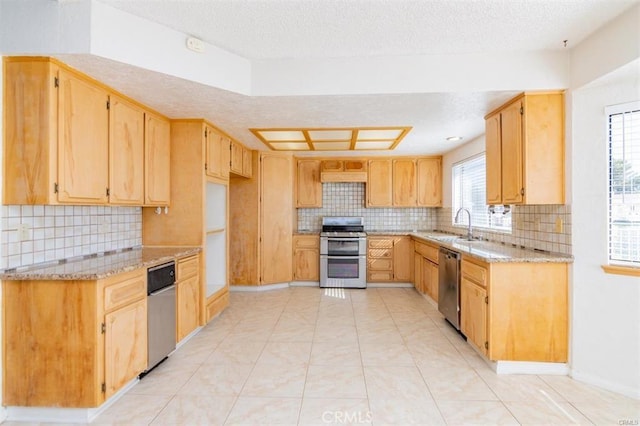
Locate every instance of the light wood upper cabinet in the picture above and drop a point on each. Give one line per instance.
(237, 158)
(83, 143)
(247, 163)
(404, 183)
(213, 164)
(525, 150)
(225, 157)
(308, 186)
(494, 159)
(380, 183)
(126, 152)
(343, 171)
(429, 176)
(157, 164)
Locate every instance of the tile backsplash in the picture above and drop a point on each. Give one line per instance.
(533, 227)
(36, 234)
(348, 199)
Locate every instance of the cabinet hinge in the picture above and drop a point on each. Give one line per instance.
(521, 110)
(55, 188)
(103, 328)
(486, 345)
(522, 192)
(206, 132)
(108, 192)
(103, 387)
(205, 167)
(108, 104)
(486, 300)
(56, 82)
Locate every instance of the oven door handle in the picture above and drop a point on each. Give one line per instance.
(348, 240)
(324, 256)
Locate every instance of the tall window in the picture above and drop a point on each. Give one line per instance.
(623, 133)
(469, 191)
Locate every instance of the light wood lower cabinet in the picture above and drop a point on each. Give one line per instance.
(306, 257)
(187, 296)
(515, 311)
(73, 343)
(389, 259)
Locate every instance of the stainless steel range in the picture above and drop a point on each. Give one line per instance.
(343, 252)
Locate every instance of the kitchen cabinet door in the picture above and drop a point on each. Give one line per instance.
(473, 314)
(493, 159)
(225, 157)
(187, 306)
(276, 211)
(236, 158)
(125, 345)
(429, 181)
(306, 264)
(404, 183)
(126, 152)
(157, 164)
(308, 185)
(214, 153)
(402, 249)
(379, 184)
(417, 272)
(83, 141)
(247, 166)
(512, 154)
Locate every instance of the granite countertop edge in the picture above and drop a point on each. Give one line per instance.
(492, 252)
(96, 267)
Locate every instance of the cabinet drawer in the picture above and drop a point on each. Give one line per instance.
(380, 276)
(381, 264)
(475, 273)
(380, 253)
(124, 289)
(427, 251)
(380, 243)
(187, 267)
(311, 241)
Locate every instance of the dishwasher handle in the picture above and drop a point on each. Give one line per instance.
(449, 254)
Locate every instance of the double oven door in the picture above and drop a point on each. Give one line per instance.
(343, 262)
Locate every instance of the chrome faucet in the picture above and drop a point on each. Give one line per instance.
(457, 219)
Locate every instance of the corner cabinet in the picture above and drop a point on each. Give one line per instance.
(389, 259)
(69, 139)
(525, 150)
(91, 339)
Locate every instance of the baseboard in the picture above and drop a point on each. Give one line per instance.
(64, 415)
(257, 288)
(389, 285)
(529, 367)
(304, 284)
(590, 379)
(187, 338)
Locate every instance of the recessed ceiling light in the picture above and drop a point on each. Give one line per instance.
(454, 138)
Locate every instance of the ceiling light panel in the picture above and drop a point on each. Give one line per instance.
(331, 138)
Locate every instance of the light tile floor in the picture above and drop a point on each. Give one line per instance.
(310, 356)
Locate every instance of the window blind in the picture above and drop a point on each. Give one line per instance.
(623, 132)
(469, 191)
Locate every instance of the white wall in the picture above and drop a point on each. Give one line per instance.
(606, 308)
(473, 147)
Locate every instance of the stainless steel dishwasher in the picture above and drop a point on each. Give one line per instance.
(449, 285)
(161, 313)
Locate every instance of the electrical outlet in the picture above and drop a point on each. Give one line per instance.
(24, 232)
(559, 225)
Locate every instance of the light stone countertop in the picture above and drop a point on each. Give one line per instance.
(101, 266)
(491, 252)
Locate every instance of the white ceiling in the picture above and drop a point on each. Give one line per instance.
(269, 29)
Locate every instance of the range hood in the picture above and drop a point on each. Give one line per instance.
(343, 171)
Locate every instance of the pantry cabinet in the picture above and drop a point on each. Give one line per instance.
(91, 339)
(157, 160)
(69, 139)
(126, 151)
(261, 222)
(525, 150)
(306, 257)
(308, 188)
